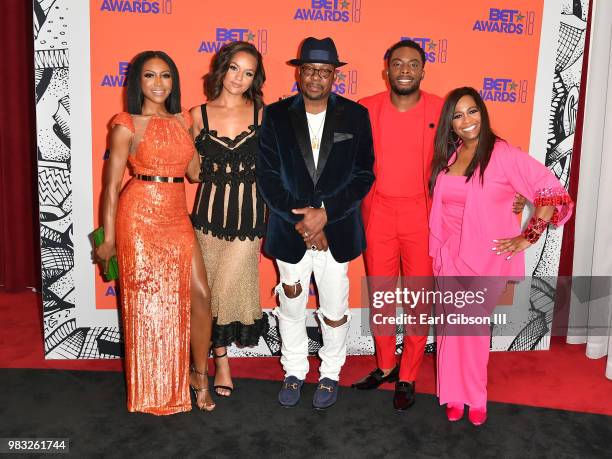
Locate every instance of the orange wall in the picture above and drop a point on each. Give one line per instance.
(466, 42)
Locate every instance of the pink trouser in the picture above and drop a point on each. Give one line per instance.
(463, 350)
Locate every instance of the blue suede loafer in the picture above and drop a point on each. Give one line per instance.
(326, 394)
(289, 394)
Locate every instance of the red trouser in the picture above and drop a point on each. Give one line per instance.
(398, 237)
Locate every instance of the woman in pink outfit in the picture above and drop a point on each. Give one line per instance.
(475, 177)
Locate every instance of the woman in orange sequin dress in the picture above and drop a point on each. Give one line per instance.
(163, 286)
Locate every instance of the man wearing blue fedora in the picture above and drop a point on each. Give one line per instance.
(313, 169)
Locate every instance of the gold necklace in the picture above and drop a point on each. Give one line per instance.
(315, 141)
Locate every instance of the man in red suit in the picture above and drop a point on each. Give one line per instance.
(395, 212)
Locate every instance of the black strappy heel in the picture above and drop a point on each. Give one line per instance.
(218, 386)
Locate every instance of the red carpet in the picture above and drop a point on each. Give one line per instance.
(561, 378)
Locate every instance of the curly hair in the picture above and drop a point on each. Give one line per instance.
(405, 44)
(213, 80)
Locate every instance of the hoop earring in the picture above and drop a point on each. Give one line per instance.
(454, 139)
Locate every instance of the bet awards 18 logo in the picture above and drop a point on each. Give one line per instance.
(330, 11)
(137, 6)
(345, 84)
(507, 21)
(504, 90)
(436, 51)
(118, 79)
(223, 35)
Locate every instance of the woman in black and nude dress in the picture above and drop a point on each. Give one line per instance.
(228, 213)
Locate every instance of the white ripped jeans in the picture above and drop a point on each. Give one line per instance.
(333, 287)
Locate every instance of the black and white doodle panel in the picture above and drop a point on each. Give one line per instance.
(560, 142)
(51, 63)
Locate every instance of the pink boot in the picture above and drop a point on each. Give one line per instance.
(478, 416)
(454, 411)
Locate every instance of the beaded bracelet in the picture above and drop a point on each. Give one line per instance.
(554, 196)
(534, 229)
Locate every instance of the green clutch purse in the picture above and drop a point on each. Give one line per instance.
(113, 267)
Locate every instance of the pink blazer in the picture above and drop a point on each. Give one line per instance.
(488, 210)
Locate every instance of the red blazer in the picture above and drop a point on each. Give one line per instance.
(433, 107)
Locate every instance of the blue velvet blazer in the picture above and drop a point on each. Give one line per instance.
(287, 178)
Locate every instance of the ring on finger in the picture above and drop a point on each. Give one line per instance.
(313, 247)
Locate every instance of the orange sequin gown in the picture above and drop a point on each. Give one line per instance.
(154, 240)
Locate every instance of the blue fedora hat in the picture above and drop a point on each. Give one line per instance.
(314, 51)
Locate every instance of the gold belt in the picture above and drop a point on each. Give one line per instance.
(157, 178)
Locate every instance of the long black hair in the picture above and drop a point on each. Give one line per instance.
(213, 80)
(447, 142)
(135, 98)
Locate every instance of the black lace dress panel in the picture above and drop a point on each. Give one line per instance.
(228, 216)
(227, 203)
